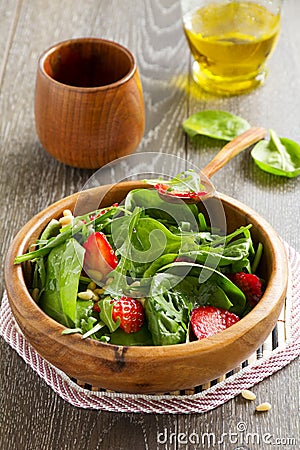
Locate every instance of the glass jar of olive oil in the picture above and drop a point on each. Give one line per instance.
(230, 41)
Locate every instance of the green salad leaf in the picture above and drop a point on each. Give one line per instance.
(63, 268)
(106, 307)
(186, 181)
(215, 124)
(233, 298)
(157, 208)
(168, 317)
(279, 156)
(141, 337)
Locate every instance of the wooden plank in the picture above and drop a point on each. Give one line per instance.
(9, 13)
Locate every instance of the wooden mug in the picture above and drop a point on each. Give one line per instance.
(89, 107)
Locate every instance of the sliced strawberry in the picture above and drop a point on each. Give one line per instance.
(130, 312)
(99, 254)
(209, 320)
(249, 284)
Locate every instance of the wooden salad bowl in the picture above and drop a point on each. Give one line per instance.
(148, 369)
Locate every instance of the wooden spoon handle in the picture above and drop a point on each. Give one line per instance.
(233, 148)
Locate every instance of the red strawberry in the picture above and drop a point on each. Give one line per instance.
(249, 284)
(130, 312)
(99, 254)
(209, 320)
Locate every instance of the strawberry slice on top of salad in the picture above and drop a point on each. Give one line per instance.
(99, 255)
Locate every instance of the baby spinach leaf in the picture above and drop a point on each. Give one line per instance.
(210, 293)
(64, 265)
(215, 124)
(234, 294)
(279, 156)
(158, 263)
(141, 337)
(187, 181)
(106, 307)
(84, 309)
(159, 209)
(168, 317)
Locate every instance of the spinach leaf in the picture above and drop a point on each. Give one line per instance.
(146, 241)
(84, 310)
(210, 293)
(106, 307)
(159, 209)
(187, 181)
(215, 124)
(141, 337)
(39, 275)
(63, 267)
(168, 318)
(199, 294)
(204, 273)
(158, 263)
(279, 156)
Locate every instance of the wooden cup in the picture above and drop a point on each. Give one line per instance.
(89, 107)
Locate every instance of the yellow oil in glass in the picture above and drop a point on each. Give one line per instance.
(230, 43)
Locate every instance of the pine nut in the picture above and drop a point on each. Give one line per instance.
(66, 220)
(263, 407)
(248, 395)
(99, 291)
(86, 295)
(92, 286)
(135, 283)
(95, 297)
(67, 212)
(109, 280)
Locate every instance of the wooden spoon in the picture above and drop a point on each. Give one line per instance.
(231, 149)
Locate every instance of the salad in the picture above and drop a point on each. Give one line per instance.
(145, 272)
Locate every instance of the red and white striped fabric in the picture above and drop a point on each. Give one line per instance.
(164, 404)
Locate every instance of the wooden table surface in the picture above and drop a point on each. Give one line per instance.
(32, 416)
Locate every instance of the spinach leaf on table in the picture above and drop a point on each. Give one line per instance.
(63, 267)
(215, 124)
(279, 156)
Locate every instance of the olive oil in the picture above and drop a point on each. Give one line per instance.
(230, 43)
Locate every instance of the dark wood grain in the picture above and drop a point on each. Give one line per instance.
(32, 416)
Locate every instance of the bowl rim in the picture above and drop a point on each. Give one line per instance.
(16, 288)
